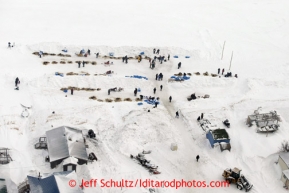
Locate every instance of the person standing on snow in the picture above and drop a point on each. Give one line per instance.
(169, 57)
(71, 91)
(135, 92)
(154, 50)
(157, 76)
(161, 87)
(223, 71)
(218, 70)
(177, 114)
(197, 158)
(9, 45)
(17, 82)
(79, 63)
(170, 99)
(155, 90)
(158, 51)
(156, 105)
(83, 63)
(179, 65)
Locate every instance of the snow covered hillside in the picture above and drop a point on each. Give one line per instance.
(255, 31)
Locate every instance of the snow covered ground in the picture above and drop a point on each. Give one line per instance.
(256, 31)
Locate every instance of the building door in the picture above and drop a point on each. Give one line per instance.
(69, 168)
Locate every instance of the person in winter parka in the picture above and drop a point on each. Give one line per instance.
(135, 92)
(155, 90)
(179, 65)
(17, 82)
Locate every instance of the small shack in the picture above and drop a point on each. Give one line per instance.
(264, 119)
(3, 188)
(4, 156)
(57, 182)
(70, 164)
(64, 142)
(218, 136)
(283, 162)
(42, 144)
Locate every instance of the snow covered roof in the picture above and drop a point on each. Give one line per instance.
(286, 173)
(285, 158)
(70, 160)
(53, 183)
(220, 134)
(63, 142)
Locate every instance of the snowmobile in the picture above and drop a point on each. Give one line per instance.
(192, 97)
(91, 133)
(234, 176)
(227, 123)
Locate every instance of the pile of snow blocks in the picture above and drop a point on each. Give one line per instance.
(151, 102)
(137, 76)
(179, 78)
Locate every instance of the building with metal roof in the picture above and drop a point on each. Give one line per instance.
(64, 142)
(58, 182)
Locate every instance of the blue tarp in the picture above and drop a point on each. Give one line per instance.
(82, 51)
(111, 54)
(58, 74)
(178, 78)
(140, 104)
(137, 76)
(176, 56)
(142, 53)
(151, 102)
(187, 56)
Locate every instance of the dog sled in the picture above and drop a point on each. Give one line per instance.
(108, 63)
(140, 158)
(175, 80)
(268, 129)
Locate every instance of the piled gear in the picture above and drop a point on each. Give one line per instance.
(192, 97)
(234, 176)
(146, 163)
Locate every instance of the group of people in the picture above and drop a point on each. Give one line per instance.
(159, 76)
(229, 74)
(11, 46)
(79, 64)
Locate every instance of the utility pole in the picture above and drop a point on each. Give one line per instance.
(231, 61)
(223, 50)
